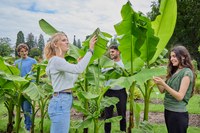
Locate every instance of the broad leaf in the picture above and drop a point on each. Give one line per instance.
(131, 36)
(108, 101)
(33, 92)
(7, 68)
(47, 28)
(100, 46)
(93, 77)
(164, 24)
(89, 95)
(149, 73)
(75, 51)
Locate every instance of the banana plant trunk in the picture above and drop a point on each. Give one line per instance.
(96, 125)
(33, 117)
(86, 106)
(10, 108)
(18, 112)
(148, 89)
(43, 113)
(131, 117)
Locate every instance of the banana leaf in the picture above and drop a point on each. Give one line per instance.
(164, 24)
(47, 28)
(100, 46)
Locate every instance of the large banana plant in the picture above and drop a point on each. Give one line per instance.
(11, 88)
(38, 93)
(141, 41)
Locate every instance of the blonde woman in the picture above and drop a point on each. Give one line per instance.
(63, 76)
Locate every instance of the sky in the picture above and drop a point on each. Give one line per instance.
(74, 17)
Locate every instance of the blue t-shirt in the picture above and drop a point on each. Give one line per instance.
(25, 65)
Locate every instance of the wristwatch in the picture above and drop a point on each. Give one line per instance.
(90, 50)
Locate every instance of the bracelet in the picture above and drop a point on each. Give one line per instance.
(90, 50)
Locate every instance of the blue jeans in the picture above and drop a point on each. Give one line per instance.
(26, 107)
(59, 112)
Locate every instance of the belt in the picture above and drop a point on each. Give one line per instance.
(68, 91)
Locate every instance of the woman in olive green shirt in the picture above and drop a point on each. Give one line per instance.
(178, 89)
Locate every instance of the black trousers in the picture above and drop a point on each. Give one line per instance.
(176, 122)
(121, 108)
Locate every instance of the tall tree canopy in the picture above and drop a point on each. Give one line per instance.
(41, 43)
(5, 46)
(187, 30)
(30, 41)
(20, 39)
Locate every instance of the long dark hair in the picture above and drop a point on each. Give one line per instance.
(184, 59)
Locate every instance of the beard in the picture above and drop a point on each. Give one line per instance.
(114, 57)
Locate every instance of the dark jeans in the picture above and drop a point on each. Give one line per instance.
(176, 122)
(121, 109)
(26, 107)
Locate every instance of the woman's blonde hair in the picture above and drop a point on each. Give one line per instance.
(49, 49)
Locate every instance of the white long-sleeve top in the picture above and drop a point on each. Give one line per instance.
(116, 87)
(63, 74)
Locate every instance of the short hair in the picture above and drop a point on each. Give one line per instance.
(22, 45)
(113, 47)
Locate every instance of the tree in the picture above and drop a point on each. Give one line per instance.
(79, 43)
(35, 52)
(20, 39)
(187, 31)
(41, 43)
(154, 10)
(74, 42)
(5, 47)
(30, 41)
(113, 41)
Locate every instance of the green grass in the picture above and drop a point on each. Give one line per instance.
(161, 128)
(193, 107)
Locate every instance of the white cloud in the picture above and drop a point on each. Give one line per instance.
(74, 17)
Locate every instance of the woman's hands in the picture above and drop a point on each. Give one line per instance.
(92, 42)
(158, 81)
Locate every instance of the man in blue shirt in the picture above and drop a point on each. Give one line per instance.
(25, 64)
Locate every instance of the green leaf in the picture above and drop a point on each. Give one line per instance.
(84, 124)
(114, 119)
(124, 82)
(100, 46)
(131, 37)
(146, 74)
(75, 51)
(93, 77)
(7, 68)
(47, 28)
(33, 92)
(106, 62)
(148, 49)
(78, 106)
(108, 101)
(164, 24)
(89, 95)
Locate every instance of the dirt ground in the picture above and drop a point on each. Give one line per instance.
(194, 119)
(158, 118)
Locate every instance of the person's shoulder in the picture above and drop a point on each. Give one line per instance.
(187, 69)
(56, 59)
(17, 61)
(32, 59)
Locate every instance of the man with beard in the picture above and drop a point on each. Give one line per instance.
(118, 92)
